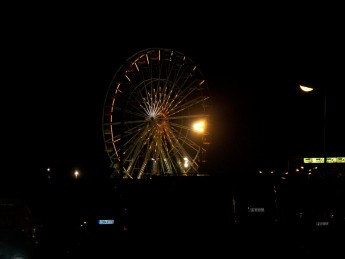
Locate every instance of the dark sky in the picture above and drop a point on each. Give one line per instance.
(59, 63)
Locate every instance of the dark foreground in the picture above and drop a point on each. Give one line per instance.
(196, 216)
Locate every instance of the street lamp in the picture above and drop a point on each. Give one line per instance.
(310, 89)
(306, 88)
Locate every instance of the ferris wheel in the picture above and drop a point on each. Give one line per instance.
(153, 106)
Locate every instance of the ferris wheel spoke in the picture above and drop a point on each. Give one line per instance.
(162, 156)
(130, 112)
(144, 163)
(180, 152)
(187, 141)
(169, 101)
(132, 156)
(179, 108)
(175, 159)
(165, 158)
(116, 123)
(180, 126)
(135, 140)
(170, 75)
(187, 87)
(115, 156)
(183, 75)
(127, 133)
(136, 147)
(188, 117)
(193, 145)
(141, 98)
(186, 100)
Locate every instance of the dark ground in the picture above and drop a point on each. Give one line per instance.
(189, 216)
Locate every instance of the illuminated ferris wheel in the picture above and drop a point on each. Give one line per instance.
(153, 107)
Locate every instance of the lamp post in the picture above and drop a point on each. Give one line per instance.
(310, 89)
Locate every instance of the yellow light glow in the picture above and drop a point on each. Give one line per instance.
(186, 162)
(306, 88)
(199, 126)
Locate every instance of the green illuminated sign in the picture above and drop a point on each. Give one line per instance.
(320, 160)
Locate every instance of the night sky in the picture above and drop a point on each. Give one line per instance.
(59, 63)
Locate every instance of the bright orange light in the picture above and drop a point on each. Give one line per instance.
(199, 126)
